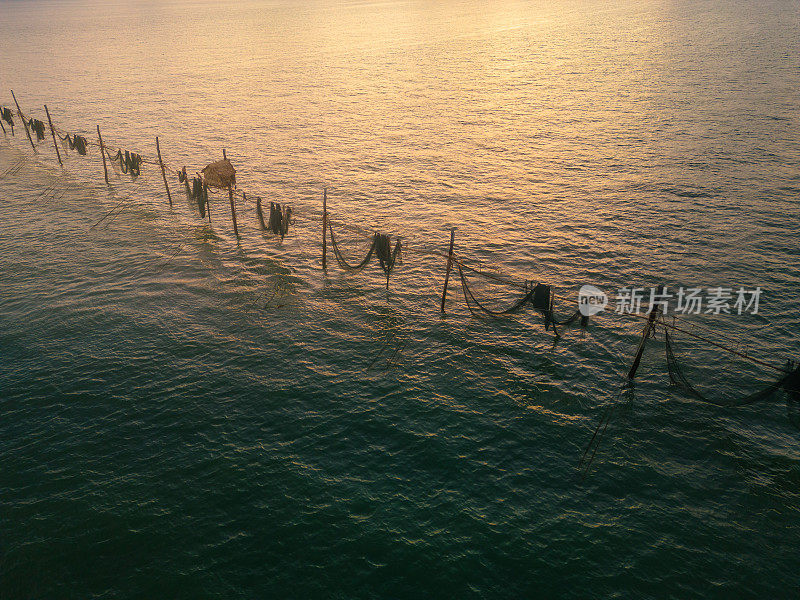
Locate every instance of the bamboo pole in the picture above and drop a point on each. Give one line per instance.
(324, 227)
(3, 126)
(208, 202)
(163, 172)
(551, 316)
(645, 334)
(24, 122)
(233, 210)
(103, 154)
(230, 197)
(449, 265)
(53, 132)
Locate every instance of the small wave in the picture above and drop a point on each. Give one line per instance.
(688, 193)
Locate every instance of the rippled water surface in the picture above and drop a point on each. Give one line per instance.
(185, 416)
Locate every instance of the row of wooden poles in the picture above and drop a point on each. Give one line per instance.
(103, 156)
(650, 319)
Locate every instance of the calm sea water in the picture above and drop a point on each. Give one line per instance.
(182, 416)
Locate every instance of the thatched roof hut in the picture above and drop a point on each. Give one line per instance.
(220, 174)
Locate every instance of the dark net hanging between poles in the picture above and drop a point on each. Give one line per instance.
(199, 193)
(280, 217)
(387, 257)
(7, 116)
(260, 214)
(76, 142)
(539, 296)
(381, 246)
(130, 162)
(790, 382)
(37, 127)
(473, 302)
(341, 259)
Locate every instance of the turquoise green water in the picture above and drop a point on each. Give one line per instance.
(182, 416)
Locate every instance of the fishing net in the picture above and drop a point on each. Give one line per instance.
(130, 162)
(679, 380)
(539, 296)
(275, 218)
(280, 217)
(381, 247)
(260, 214)
(220, 174)
(387, 257)
(478, 309)
(7, 116)
(286, 220)
(76, 142)
(568, 321)
(37, 127)
(199, 193)
(543, 300)
(337, 253)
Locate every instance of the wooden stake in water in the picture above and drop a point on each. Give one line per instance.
(103, 153)
(53, 131)
(645, 334)
(551, 314)
(230, 197)
(163, 172)
(324, 227)
(24, 122)
(449, 265)
(233, 210)
(208, 202)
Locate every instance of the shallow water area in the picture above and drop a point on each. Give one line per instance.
(187, 415)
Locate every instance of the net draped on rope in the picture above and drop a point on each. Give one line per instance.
(130, 162)
(539, 296)
(790, 382)
(200, 194)
(76, 142)
(387, 257)
(198, 191)
(381, 246)
(473, 302)
(7, 116)
(280, 217)
(37, 127)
